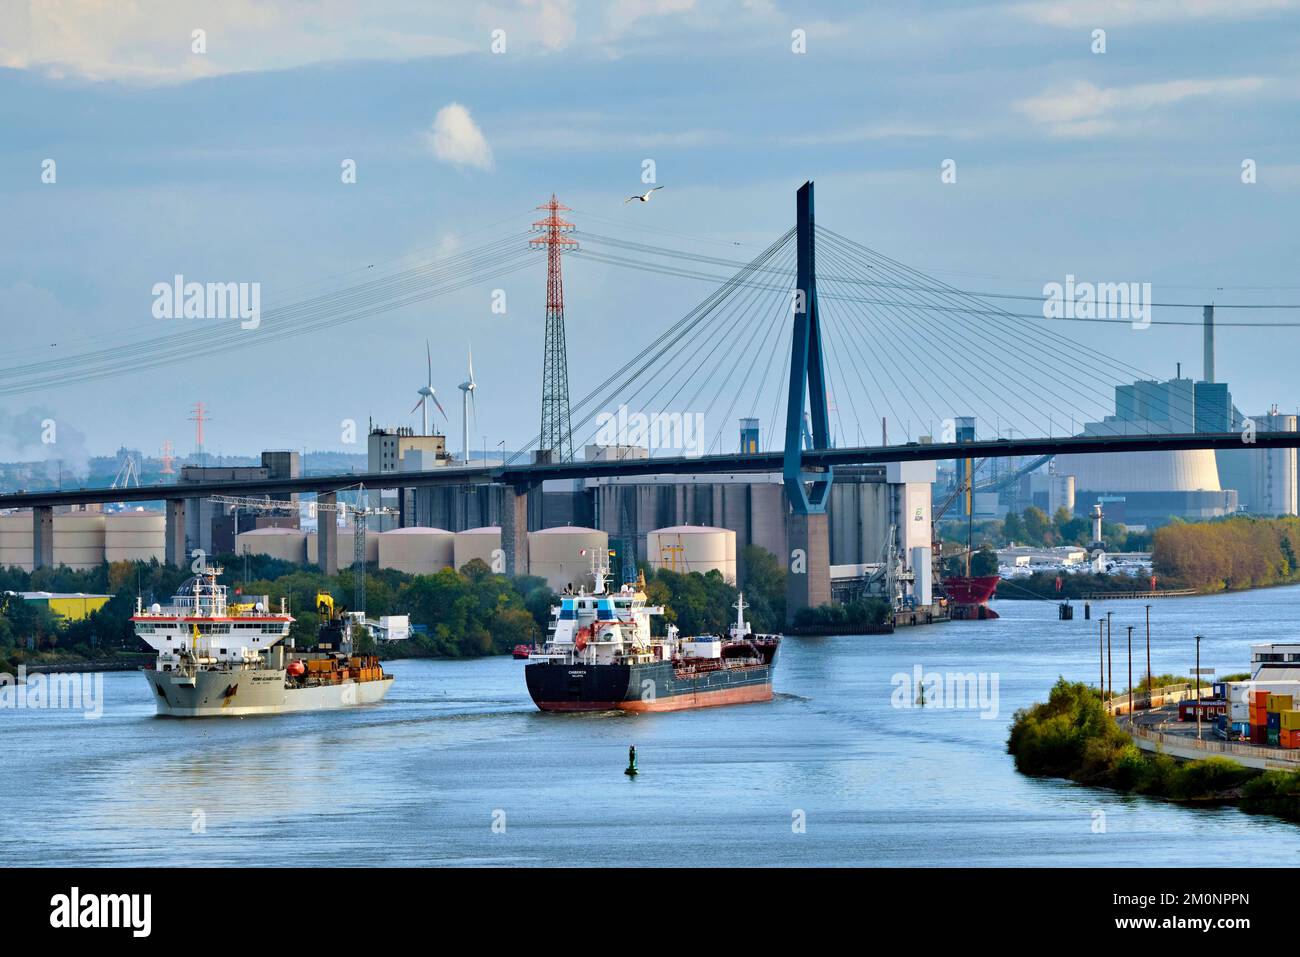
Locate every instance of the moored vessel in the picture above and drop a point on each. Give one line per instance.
(969, 595)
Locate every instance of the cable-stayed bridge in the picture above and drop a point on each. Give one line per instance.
(825, 338)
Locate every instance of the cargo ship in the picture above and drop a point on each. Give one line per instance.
(968, 596)
(229, 659)
(600, 655)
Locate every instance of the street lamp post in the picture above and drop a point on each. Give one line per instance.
(1101, 658)
(1110, 671)
(1198, 687)
(1130, 674)
(1151, 681)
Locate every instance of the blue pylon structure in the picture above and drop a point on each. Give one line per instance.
(808, 567)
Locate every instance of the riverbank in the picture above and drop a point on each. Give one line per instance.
(1074, 736)
(1079, 587)
(51, 662)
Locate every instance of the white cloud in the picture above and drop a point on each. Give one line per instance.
(1112, 13)
(551, 22)
(622, 14)
(148, 42)
(455, 138)
(144, 42)
(1084, 109)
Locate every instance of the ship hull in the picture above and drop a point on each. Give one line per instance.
(644, 687)
(211, 694)
(971, 591)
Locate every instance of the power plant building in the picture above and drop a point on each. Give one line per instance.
(1265, 479)
(1146, 488)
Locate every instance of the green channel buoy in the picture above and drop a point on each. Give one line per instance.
(631, 762)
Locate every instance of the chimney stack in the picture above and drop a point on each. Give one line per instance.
(1208, 368)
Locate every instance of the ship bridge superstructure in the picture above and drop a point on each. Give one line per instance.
(201, 626)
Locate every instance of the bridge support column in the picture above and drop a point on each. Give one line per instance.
(174, 544)
(43, 537)
(808, 572)
(327, 533)
(514, 529)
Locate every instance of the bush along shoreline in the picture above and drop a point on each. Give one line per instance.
(1072, 736)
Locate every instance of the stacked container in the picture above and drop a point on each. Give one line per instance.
(1258, 716)
(1289, 736)
(1274, 705)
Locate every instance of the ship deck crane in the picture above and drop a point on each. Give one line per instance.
(964, 487)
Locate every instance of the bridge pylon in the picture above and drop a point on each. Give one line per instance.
(808, 578)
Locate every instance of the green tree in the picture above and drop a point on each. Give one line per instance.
(764, 587)
(984, 561)
(1037, 527)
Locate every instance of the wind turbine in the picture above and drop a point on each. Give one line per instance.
(467, 396)
(426, 393)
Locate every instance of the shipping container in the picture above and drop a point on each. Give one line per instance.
(1280, 702)
(1291, 720)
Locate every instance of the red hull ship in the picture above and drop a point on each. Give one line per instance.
(970, 595)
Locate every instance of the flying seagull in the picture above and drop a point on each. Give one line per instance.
(643, 197)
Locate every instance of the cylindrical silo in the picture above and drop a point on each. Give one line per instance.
(16, 540)
(693, 548)
(481, 543)
(347, 547)
(416, 550)
(289, 544)
(135, 536)
(79, 540)
(563, 555)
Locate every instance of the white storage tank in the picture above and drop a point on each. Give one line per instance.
(289, 544)
(482, 543)
(563, 555)
(16, 540)
(79, 540)
(135, 537)
(347, 547)
(693, 548)
(416, 550)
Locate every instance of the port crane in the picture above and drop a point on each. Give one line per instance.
(964, 487)
(359, 514)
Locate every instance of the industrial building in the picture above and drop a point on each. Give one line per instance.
(1145, 488)
(416, 550)
(693, 548)
(214, 527)
(565, 555)
(71, 606)
(482, 543)
(286, 544)
(403, 450)
(1265, 479)
(346, 540)
(85, 539)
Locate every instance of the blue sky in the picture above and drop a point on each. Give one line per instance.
(224, 165)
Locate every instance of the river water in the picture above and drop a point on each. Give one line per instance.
(458, 767)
